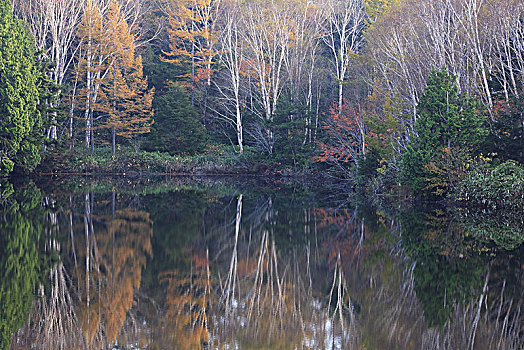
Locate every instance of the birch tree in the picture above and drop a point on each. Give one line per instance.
(231, 58)
(343, 35)
(303, 61)
(268, 37)
(53, 24)
(93, 64)
(507, 32)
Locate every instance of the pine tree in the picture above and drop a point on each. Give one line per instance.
(507, 132)
(447, 122)
(19, 93)
(177, 128)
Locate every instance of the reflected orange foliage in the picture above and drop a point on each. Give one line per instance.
(120, 247)
(187, 302)
(330, 217)
(352, 233)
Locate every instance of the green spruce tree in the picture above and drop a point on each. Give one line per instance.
(19, 94)
(447, 122)
(507, 131)
(177, 129)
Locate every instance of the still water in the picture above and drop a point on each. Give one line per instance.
(207, 263)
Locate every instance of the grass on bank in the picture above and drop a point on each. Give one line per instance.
(216, 159)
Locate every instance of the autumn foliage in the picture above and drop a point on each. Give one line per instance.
(346, 131)
(192, 37)
(112, 87)
(120, 247)
(128, 99)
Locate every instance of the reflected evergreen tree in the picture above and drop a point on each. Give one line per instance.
(178, 217)
(21, 264)
(444, 275)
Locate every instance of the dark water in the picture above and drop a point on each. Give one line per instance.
(250, 264)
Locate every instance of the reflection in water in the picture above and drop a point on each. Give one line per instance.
(458, 288)
(21, 262)
(91, 287)
(187, 300)
(267, 298)
(247, 267)
(504, 229)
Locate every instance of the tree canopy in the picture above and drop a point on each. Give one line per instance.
(19, 95)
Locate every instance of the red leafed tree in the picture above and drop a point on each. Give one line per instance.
(345, 130)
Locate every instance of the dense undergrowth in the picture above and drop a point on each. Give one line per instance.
(214, 160)
(497, 188)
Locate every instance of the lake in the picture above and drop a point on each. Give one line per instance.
(250, 263)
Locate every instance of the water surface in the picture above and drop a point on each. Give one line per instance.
(190, 263)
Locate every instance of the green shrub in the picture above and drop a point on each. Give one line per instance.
(501, 187)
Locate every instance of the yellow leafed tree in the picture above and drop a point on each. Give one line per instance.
(192, 36)
(128, 99)
(113, 87)
(188, 299)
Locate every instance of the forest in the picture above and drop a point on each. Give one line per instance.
(420, 96)
(369, 162)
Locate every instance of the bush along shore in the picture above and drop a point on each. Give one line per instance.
(219, 160)
(498, 187)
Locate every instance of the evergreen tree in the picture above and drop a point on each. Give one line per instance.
(19, 94)
(507, 136)
(447, 121)
(177, 128)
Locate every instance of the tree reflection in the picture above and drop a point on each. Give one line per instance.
(269, 299)
(254, 269)
(116, 248)
(21, 262)
(445, 274)
(188, 297)
(91, 288)
(503, 229)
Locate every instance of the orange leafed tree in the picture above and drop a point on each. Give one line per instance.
(113, 87)
(128, 99)
(346, 132)
(192, 37)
